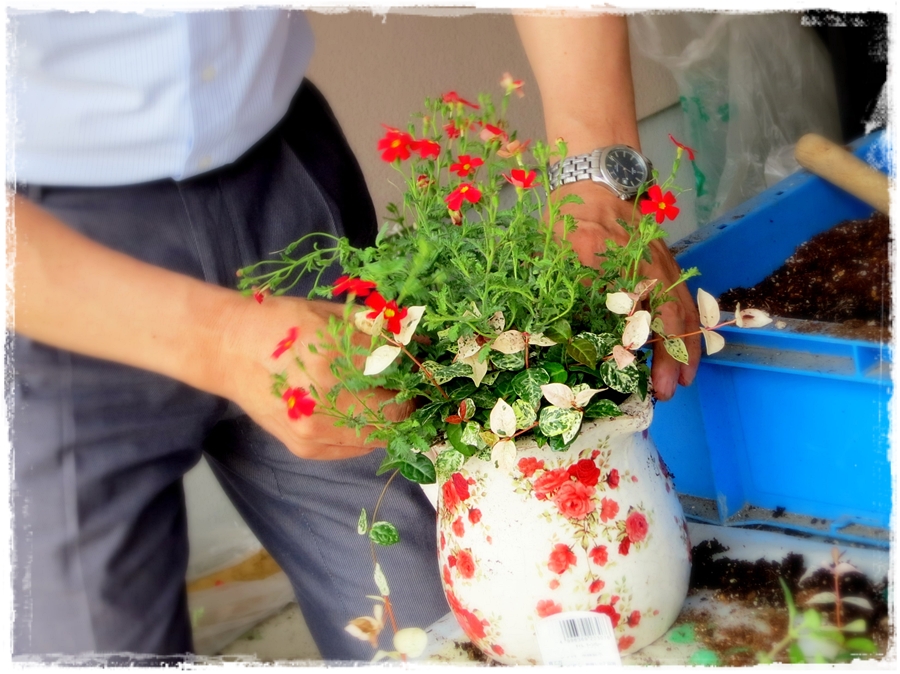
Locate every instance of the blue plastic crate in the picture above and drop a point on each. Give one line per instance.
(786, 427)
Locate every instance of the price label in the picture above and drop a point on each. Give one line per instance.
(577, 638)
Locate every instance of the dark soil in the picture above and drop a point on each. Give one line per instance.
(839, 276)
(756, 584)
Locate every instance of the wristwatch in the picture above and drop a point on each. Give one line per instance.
(619, 168)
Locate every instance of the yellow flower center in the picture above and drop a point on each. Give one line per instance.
(467, 166)
(291, 402)
(662, 205)
(395, 143)
(389, 313)
(464, 189)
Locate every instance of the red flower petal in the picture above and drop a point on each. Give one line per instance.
(285, 343)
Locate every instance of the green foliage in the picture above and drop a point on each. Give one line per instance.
(478, 272)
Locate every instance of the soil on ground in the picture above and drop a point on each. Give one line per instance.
(839, 276)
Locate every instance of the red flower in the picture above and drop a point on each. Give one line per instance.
(465, 165)
(608, 509)
(259, 294)
(625, 642)
(456, 218)
(586, 472)
(474, 515)
(574, 500)
(427, 148)
(634, 619)
(553, 584)
(465, 564)
(462, 486)
(690, 152)
(663, 205)
(625, 546)
(529, 465)
(606, 609)
(510, 85)
(452, 97)
(521, 178)
(299, 403)
(423, 182)
(470, 624)
(285, 343)
(489, 132)
(561, 558)
(451, 498)
(512, 149)
(458, 529)
(549, 482)
(547, 607)
(452, 130)
(599, 556)
(636, 527)
(395, 145)
(393, 314)
(356, 286)
(466, 191)
(613, 478)
(596, 586)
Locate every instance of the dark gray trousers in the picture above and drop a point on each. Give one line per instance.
(100, 534)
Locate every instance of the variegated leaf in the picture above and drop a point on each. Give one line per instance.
(511, 341)
(504, 455)
(709, 309)
(658, 327)
(560, 421)
(643, 288)
(559, 395)
(622, 356)
(467, 346)
(444, 373)
(603, 342)
(675, 347)
(637, 330)
(538, 339)
(497, 322)
(583, 395)
(370, 326)
(381, 581)
(508, 361)
(409, 323)
(525, 414)
(713, 340)
(625, 380)
(448, 462)
(619, 303)
(471, 435)
(503, 419)
(379, 360)
(527, 385)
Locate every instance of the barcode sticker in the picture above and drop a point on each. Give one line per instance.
(577, 638)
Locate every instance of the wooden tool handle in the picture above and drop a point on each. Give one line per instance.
(834, 164)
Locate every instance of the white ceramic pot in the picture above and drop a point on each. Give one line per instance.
(596, 528)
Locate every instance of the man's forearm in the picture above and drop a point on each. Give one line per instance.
(583, 71)
(75, 294)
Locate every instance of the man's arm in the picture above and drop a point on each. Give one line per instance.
(75, 294)
(583, 71)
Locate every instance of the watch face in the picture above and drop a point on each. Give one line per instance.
(625, 167)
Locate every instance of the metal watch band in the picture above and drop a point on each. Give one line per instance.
(573, 169)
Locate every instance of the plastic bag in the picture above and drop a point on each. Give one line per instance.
(750, 86)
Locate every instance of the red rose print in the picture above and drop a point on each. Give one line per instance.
(498, 649)
(608, 509)
(574, 500)
(470, 481)
(634, 619)
(595, 454)
(549, 482)
(613, 600)
(462, 487)
(458, 529)
(561, 558)
(470, 624)
(451, 560)
(636, 527)
(599, 555)
(455, 606)
(474, 515)
(625, 546)
(634, 478)
(547, 607)
(465, 564)
(625, 642)
(448, 579)
(553, 584)
(606, 609)
(586, 472)
(443, 541)
(613, 478)
(596, 586)
(529, 465)
(448, 493)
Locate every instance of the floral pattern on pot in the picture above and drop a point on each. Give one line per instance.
(596, 528)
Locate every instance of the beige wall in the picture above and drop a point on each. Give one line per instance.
(376, 69)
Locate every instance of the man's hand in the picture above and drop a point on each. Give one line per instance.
(246, 365)
(596, 219)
